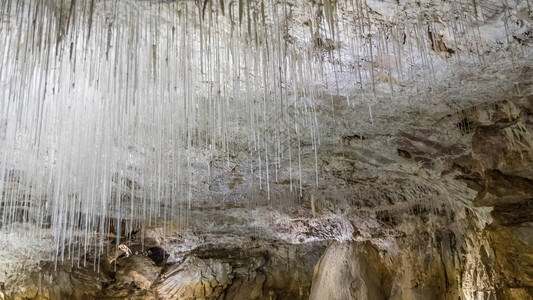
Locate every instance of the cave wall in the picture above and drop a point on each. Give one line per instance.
(465, 258)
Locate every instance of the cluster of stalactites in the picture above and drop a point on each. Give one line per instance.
(110, 111)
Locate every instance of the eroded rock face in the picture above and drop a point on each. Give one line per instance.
(503, 155)
(49, 283)
(277, 271)
(195, 278)
(457, 253)
(439, 258)
(350, 271)
(139, 270)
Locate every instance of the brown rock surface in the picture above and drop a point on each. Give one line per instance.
(503, 155)
(350, 271)
(195, 278)
(137, 269)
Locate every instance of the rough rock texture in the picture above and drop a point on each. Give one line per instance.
(350, 271)
(503, 156)
(471, 254)
(250, 271)
(137, 269)
(195, 278)
(65, 282)
(438, 256)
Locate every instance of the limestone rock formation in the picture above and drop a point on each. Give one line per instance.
(503, 155)
(51, 283)
(137, 269)
(350, 271)
(195, 278)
